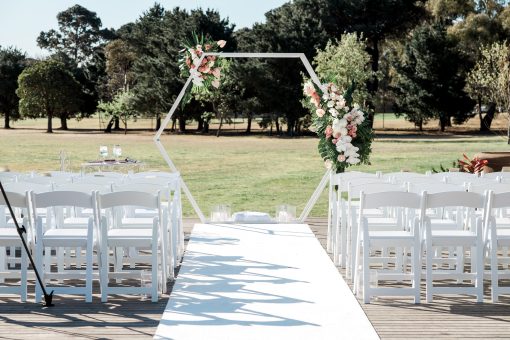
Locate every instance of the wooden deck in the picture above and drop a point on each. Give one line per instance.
(127, 316)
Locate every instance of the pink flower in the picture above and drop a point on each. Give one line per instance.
(221, 43)
(316, 100)
(320, 112)
(328, 132)
(341, 158)
(204, 61)
(309, 90)
(215, 83)
(216, 72)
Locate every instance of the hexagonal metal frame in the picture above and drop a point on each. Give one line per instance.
(316, 194)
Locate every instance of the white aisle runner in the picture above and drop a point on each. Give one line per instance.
(260, 281)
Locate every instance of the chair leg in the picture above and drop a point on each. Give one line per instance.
(428, 275)
(494, 272)
(154, 272)
(88, 279)
(40, 268)
(416, 268)
(23, 269)
(3, 261)
(479, 270)
(366, 272)
(103, 272)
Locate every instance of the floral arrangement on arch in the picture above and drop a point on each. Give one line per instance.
(345, 135)
(204, 73)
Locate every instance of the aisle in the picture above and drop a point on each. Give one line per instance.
(270, 281)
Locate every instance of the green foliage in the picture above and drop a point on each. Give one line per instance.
(79, 34)
(12, 63)
(430, 79)
(119, 107)
(48, 89)
(344, 63)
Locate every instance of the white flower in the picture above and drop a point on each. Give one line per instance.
(343, 131)
(325, 96)
(333, 112)
(331, 103)
(353, 160)
(328, 164)
(346, 139)
(340, 147)
(336, 126)
(343, 122)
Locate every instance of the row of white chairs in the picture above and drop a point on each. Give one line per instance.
(347, 218)
(110, 225)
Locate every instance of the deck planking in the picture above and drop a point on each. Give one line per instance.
(448, 317)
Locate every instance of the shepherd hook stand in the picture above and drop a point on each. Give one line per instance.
(47, 297)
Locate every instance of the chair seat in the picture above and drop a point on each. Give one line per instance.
(76, 222)
(65, 237)
(130, 237)
(9, 237)
(134, 222)
(443, 224)
(453, 237)
(397, 237)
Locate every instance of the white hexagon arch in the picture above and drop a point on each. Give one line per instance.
(316, 194)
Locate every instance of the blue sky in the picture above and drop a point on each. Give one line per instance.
(21, 21)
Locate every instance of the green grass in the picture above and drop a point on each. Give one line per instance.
(255, 173)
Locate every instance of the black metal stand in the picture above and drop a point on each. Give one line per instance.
(22, 230)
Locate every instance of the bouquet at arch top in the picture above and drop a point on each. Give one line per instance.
(204, 73)
(345, 135)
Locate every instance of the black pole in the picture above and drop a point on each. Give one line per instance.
(47, 297)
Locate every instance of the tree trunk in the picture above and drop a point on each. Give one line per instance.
(219, 127)
(7, 117)
(206, 127)
(420, 125)
(487, 119)
(50, 126)
(182, 125)
(63, 122)
(443, 122)
(248, 125)
(373, 84)
(277, 125)
(158, 122)
(174, 122)
(200, 126)
(109, 126)
(117, 124)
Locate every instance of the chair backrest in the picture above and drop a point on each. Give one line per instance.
(16, 199)
(46, 180)
(64, 174)
(496, 174)
(63, 199)
(433, 187)
(382, 199)
(165, 183)
(6, 177)
(129, 198)
(354, 189)
(454, 199)
(338, 179)
(84, 187)
(400, 177)
(499, 200)
(97, 180)
(151, 188)
(22, 187)
(493, 186)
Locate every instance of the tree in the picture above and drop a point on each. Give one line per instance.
(491, 76)
(119, 107)
(79, 34)
(345, 63)
(48, 89)
(12, 63)
(377, 20)
(430, 80)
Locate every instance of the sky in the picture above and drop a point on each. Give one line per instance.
(21, 21)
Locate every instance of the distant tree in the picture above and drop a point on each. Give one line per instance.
(78, 36)
(120, 107)
(48, 89)
(12, 63)
(430, 80)
(345, 63)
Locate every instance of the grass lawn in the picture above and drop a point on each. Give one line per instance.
(252, 172)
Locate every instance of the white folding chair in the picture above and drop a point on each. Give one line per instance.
(470, 236)
(498, 239)
(404, 237)
(114, 234)
(377, 216)
(9, 238)
(55, 235)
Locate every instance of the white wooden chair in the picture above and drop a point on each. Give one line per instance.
(471, 236)
(377, 216)
(498, 239)
(114, 234)
(55, 235)
(9, 238)
(404, 237)
(337, 211)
